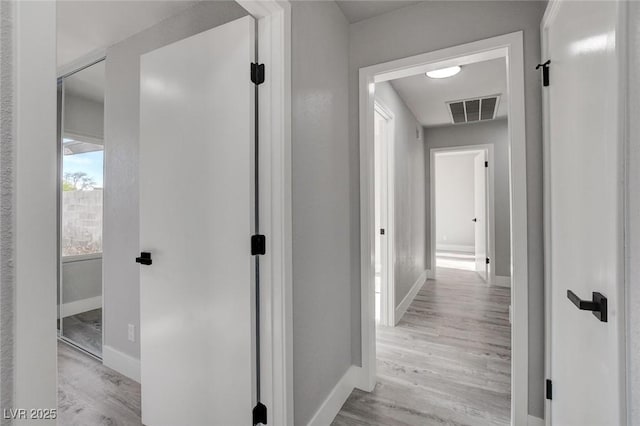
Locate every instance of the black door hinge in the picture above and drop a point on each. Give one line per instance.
(381, 231)
(257, 73)
(545, 72)
(260, 414)
(487, 260)
(549, 391)
(486, 164)
(258, 244)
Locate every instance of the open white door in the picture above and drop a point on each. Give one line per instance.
(383, 310)
(480, 212)
(196, 216)
(584, 214)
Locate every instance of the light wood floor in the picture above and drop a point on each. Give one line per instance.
(447, 362)
(90, 394)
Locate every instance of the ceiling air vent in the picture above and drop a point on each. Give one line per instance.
(470, 110)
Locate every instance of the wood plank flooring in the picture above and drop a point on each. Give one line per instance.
(90, 394)
(85, 330)
(447, 362)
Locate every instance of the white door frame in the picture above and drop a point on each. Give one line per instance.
(623, 123)
(507, 46)
(491, 231)
(387, 288)
(34, 63)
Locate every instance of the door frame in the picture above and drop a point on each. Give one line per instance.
(509, 46)
(387, 287)
(33, 366)
(490, 191)
(622, 34)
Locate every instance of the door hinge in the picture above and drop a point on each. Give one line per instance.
(258, 244)
(545, 72)
(487, 260)
(257, 73)
(549, 391)
(381, 231)
(260, 414)
(486, 164)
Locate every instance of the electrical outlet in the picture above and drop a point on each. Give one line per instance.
(132, 333)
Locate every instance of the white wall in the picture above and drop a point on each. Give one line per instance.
(121, 195)
(455, 202)
(320, 204)
(81, 279)
(410, 182)
(489, 132)
(83, 117)
(433, 25)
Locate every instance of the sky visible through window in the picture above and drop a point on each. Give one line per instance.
(90, 163)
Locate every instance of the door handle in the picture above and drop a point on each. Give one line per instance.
(474, 220)
(597, 304)
(144, 259)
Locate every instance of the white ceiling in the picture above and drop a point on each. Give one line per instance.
(426, 97)
(88, 83)
(87, 25)
(358, 10)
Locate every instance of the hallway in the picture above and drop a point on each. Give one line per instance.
(448, 361)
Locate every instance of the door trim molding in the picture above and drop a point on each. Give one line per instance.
(491, 233)
(274, 50)
(509, 46)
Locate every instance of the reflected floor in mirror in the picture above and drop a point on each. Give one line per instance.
(85, 330)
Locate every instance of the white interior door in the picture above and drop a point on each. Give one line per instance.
(480, 212)
(584, 212)
(196, 213)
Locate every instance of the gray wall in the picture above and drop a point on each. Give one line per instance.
(320, 204)
(494, 132)
(433, 25)
(121, 196)
(81, 279)
(83, 117)
(455, 201)
(410, 181)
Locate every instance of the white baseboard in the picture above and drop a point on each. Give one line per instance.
(337, 397)
(455, 247)
(82, 305)
(121, 362)
(534, 421)
(501, 281)
(430, 274)
(415, 288)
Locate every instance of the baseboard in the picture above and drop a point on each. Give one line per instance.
(415, 288)
(501, 281)
(82, 305)
(430, 274)
(455, 247)
(121, 362)
(337, 397)
(534, 421)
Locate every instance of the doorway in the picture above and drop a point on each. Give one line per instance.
(509, 48)
(384, 217)
(462, 209)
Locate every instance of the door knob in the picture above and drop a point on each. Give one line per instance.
(597, 304)
(144, 259)
(474, 220)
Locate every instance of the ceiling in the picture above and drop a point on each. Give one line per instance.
(88, 83)
(358, 10)
(427, 97)
(87, 25)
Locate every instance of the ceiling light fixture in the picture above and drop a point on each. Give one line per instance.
(444, 72)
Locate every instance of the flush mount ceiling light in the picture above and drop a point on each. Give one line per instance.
(444, 72)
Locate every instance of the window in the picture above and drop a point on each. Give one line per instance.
(82, 174)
